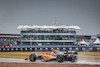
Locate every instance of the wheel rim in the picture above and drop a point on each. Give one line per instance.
(31, 58)
(59, 58)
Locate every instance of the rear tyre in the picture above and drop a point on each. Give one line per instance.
(74, 59)
(60, 58)
(32, 57)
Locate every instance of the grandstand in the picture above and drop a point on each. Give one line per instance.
(15, 41)
(48, 35)
(9, 39)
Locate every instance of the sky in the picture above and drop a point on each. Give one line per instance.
(82, 13)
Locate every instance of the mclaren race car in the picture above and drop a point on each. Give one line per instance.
(55, 55)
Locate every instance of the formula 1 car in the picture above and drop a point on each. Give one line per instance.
(55, 55)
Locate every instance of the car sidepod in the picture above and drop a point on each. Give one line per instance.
(48, 58)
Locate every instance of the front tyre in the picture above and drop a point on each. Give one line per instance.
(32, 57)
(59, 58)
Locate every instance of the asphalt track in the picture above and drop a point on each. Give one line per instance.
(12, 60)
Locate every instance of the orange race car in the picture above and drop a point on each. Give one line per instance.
(55, 55)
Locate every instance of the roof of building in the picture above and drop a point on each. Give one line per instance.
(47, 27)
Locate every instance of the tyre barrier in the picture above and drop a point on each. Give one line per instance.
(57, 48)
(40, 49)
(70, 49)
(7, 49)
(12, 49)
(16, 49)
(3, 49)
(25, 49)
(90, 49)
(21, 49)
(50, 49)
(64, 49)
(76, 49)
(83, 49)
(98, 49)
(30, 49)
(46, 49)
(35, 49)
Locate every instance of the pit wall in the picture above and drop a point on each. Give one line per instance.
(50, 48)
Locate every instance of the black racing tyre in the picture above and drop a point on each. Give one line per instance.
(59, 58)
(32, 57)
(74, 59)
